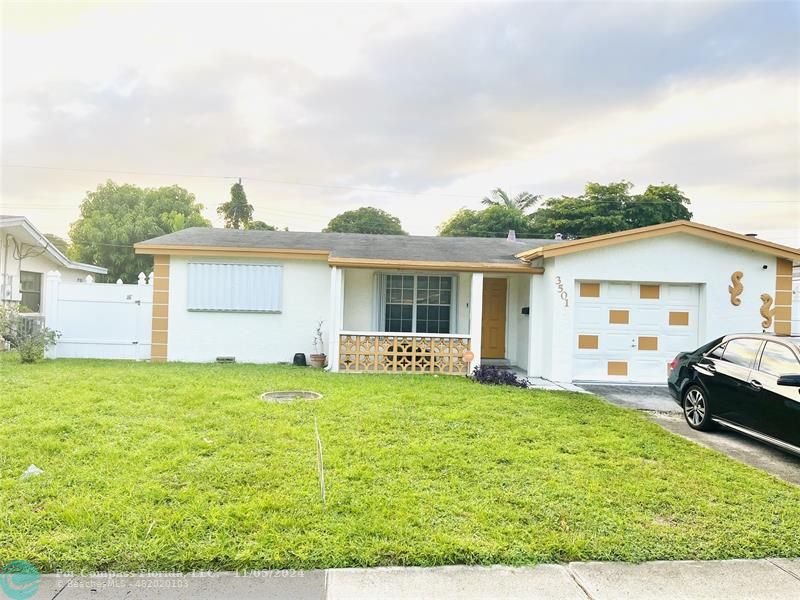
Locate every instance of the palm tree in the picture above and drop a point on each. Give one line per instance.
(521, 202)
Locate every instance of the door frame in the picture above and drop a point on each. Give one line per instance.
(505, 324)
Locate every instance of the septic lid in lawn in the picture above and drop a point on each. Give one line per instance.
(290, 396)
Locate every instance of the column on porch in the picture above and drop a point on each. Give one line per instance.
(336, 316)
(476, 317)
(536, 336)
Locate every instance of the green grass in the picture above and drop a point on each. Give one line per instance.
(178, 466)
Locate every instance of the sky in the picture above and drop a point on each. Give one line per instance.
(418, 109)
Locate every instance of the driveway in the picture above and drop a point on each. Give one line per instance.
(659, 406)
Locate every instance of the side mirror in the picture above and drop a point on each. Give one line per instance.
(792, 380)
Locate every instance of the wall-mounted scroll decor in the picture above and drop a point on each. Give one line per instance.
(562, 293)
(767, 311)
(737, 288)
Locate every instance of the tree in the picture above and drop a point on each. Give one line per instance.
(609, 208)
(658, 204)
(237, 212)
(365, 220)
(260, 226)
(58, 242)
(494, 221)
(522, 201)
(114, 217)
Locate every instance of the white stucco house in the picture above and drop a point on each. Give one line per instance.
(26, 255)
(615, 307)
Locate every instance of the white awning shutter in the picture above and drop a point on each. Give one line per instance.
(238, 287)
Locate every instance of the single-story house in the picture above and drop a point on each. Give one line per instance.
(614, 307)
(25, 257)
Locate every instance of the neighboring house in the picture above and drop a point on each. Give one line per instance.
(25, 258)
(615, 307)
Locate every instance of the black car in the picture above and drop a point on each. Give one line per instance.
(749, 382)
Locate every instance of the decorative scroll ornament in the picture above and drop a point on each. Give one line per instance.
(737, 288)
(767, 311)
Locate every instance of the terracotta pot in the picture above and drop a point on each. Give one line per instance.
(318, 360)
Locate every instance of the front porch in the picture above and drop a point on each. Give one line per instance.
(438, 322)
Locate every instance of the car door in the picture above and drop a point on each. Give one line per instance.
(777, 407)
(727, 379)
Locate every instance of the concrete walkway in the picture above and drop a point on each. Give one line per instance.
(770, 579)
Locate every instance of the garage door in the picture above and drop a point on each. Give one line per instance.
(629, 331)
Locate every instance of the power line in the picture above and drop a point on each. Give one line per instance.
(261, 179)
(317, 185)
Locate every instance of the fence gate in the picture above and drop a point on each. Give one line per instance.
(99, 320)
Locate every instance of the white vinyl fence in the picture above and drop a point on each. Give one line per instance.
(99, 320)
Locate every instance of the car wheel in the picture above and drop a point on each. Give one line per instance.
(696, 410)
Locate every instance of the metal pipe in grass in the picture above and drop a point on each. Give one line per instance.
(320, 463)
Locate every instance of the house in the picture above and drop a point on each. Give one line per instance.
(614, 307)
(25, 257)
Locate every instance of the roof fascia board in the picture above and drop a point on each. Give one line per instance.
(290, 253)
(185, 250)
(50, 248)
(474, 267)
(696, 229)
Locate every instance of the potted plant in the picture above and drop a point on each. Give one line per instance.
(318, 359)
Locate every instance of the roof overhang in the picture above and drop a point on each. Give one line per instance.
(230, 251)
(17, 225)
(687, 227)
(430, 265)
(355, 263)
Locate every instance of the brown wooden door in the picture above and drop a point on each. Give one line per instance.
(493, 344)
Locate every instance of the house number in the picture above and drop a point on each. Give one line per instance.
(562, 293)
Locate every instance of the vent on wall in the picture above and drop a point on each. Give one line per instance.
(226, 359)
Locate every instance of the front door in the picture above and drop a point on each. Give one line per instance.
(493, 344)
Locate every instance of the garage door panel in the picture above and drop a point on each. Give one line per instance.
(680, 294)
(651, 317)
(639, 347)
(650, 370)
(678, 343)
(589, 314)
(618, 291)
(616, 342)
(589, 368)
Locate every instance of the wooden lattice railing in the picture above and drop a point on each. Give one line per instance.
(377, 352)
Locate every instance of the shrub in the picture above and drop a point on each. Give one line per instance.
(495, 376)
(28, 336)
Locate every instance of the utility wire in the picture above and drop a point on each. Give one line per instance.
(261, 179)
(312, 184)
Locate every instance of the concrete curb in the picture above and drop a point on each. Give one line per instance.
(767, 579)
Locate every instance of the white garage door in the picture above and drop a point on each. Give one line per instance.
(629, 331)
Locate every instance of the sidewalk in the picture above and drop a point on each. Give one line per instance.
(770, 579)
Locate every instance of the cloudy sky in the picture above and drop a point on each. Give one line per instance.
(418, 109)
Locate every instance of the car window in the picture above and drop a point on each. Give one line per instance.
(741, 351)
(778, 360)
(717, 352)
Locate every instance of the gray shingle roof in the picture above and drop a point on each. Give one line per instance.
(358, 245)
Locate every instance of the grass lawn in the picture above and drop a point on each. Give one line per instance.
(179, 466)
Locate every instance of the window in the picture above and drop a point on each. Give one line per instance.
(234, 287)
(30, 284)
(778, 360)
(418, 303)
(717, 352)
(741, 351)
